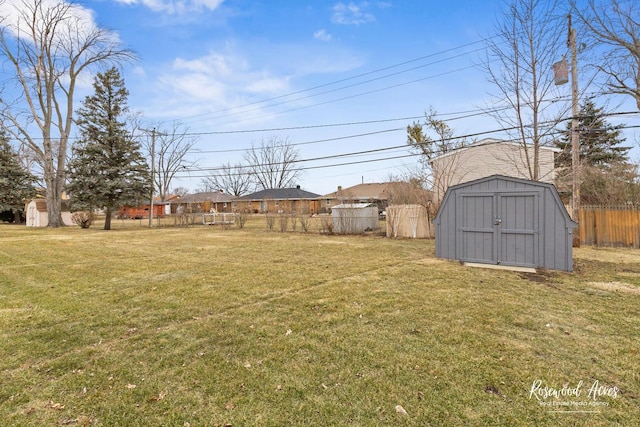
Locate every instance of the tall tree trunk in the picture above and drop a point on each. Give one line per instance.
(107, 219)
(53, 196)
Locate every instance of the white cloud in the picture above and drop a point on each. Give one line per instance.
(234, 74)
(322, 35)
(268, 85)
(15, 12)
(175, 6)
(352, 14)
(214, 82)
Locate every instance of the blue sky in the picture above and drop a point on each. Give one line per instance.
(335, 77)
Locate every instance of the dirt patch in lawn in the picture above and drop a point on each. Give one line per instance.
(616, 287)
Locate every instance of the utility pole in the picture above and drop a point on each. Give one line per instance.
(153, 171)
(575, 135)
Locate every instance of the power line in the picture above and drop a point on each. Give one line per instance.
(353, 77)
(235, 113)
(480, 112)
(308, 142)
(372, 151)
(459, 116)
(351, 96)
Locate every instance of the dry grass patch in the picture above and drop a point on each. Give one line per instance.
(249, 327)
(616, 287)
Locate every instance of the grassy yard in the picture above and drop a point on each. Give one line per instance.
(209, 327)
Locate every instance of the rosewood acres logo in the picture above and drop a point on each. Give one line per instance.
(581, 397)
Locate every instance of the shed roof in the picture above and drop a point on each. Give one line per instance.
(41, 205)
(520, 181)
(353, 206)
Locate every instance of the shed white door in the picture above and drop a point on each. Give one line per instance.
(498, 228)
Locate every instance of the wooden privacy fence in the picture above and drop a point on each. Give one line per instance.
(610, 226)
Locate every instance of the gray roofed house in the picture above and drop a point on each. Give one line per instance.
(279, 200)
(203, 202)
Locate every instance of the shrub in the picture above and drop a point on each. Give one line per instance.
(305, 222)
(83, 218)
(241, 219)
(327, 224)
(271, 220)
(294, 221)
(284, 222)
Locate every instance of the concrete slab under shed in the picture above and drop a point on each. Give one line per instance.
(500, 267)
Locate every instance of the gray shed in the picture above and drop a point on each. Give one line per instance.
(503, 220)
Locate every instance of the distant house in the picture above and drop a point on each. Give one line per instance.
(490, 157)
(36, 211)
(279, 200)
(211, 201)
(140, 212)
(160, 209)
(381, 194)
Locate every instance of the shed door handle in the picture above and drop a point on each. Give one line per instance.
(497, 221)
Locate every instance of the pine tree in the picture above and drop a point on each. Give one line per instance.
(607, 177)
(107, 169)
(600, 142)
(16, 183)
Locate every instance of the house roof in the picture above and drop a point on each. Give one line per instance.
(281, 194)
(212, 196)
(489, 141)
(368, 191)
(41, 205)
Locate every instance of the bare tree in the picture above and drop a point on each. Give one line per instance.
(430, 147)
(180, 191)
(616, 27)
(170, 152)
(433, 139)
(46, 47)
(519, 63)
(273, 163)
(408, 190)
(232, 179)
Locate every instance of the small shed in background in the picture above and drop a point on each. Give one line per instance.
(355, 218)
(36, 213)
(408, 221)
(508, 221)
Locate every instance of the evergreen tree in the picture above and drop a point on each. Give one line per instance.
(16, 184)
(107, 169)
(607, 177)
(599, 140)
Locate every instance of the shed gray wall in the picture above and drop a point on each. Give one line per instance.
(552, 242)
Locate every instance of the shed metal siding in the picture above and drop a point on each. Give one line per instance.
(505, 220)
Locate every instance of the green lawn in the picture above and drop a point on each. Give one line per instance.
(209, 327)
